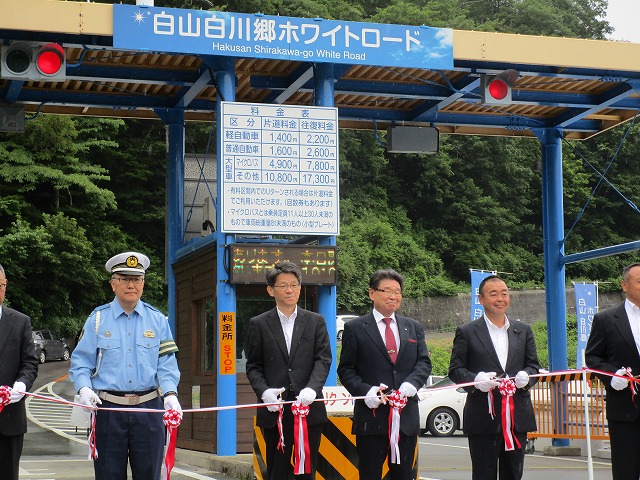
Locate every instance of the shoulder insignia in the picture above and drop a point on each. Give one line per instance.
(151, 307)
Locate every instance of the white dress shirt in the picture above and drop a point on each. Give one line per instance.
(383, 326)
(633, 312)
(500, 339)
(287, 325)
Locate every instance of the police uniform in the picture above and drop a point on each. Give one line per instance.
(129, 361)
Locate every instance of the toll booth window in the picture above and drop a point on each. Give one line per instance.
(207, 322)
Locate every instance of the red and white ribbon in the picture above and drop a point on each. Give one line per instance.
(5, 396)
(91, 439)
(301, 451)
(280, 430)
(507, 389)
(632, 385)
(492, 412)
(172, 420)
(397, 402)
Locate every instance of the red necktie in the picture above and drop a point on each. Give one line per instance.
(390, 340)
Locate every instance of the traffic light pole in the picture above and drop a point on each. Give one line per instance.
(554, 271)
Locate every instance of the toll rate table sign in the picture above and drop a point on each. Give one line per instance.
(279, 169)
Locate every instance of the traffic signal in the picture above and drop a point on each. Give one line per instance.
(39, 61)
(496, 89)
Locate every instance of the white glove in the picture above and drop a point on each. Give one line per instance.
(307, 396)
(270, 395)
(618, 383)
(89, 398)
(487, 381)
(171, 403)
(407, 389)
(17, 392)
(522, 379)
(372, 400)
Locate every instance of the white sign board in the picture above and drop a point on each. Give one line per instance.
(337, 400)
(279, 169)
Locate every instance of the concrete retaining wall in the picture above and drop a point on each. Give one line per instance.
(445, 313)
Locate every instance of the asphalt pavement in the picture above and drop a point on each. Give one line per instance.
(55, 450)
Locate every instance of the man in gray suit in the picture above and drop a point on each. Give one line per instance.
(18, 369)
(288, 358)
(384, 348)
(614, 346)
(490, 347)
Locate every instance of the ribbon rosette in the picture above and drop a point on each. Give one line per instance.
(5, 396)
(397, 402)
(301, 451)
(172, 419)
(507, 389)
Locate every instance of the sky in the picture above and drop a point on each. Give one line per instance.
(624, 17)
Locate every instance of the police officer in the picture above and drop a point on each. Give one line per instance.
(126, 358)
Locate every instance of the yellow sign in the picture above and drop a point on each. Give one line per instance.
(227, 343)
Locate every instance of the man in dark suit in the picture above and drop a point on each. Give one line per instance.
(384, 348)
(288, 358)
(613, 347)
(18, 369)
(488, 348)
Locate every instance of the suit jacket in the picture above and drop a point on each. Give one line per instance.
(365, 363)
(610, 347)
(473, 352)
(270, 366)
(18, 362)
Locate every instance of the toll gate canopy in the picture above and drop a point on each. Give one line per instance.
(581, 87)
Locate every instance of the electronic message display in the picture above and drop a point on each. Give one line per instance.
(249, 263)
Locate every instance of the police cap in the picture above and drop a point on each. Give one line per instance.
(128, 263)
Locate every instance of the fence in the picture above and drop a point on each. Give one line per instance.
(559, 406)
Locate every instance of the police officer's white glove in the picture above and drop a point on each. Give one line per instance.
(486, 380)
(89, 398)
(17, 392)
(271, 395)
(307, 396)
(171, 403)
(618, 383)
(372, 399)
(522, 379)
(407, 389)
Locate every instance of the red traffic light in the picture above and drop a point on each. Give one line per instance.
(36, 61)
(50, 59)
(496, 89)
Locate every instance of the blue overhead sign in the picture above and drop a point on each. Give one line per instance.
(202, 32)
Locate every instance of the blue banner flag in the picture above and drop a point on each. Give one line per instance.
(280, 37)
(586, 308)
(477, 310)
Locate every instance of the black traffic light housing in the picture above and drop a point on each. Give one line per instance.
(37, 61)
(496, 89)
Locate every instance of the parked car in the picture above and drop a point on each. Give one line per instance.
(50, 345)
(340, 321)
(441, 408)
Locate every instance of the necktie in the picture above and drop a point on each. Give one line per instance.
(390, 340)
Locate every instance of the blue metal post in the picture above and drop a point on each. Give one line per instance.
(225, 292)
(175, 201)
(553, 234)
(324, 91)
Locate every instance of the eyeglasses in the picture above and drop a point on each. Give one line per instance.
(293, 286)
(2, 285)
(128, 280)
(389, 293)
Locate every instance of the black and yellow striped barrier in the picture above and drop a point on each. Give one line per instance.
(337, 456)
